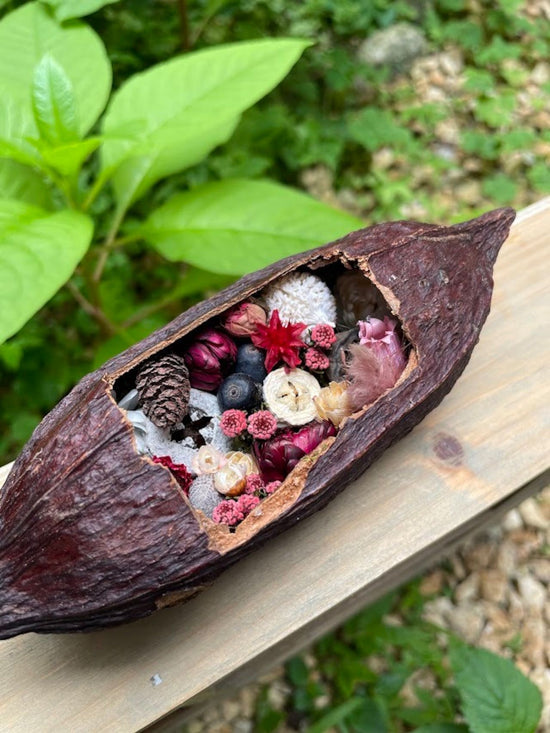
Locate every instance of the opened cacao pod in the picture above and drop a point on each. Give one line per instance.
(94, 532)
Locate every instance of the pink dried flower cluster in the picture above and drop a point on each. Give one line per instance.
(272, 486)
(233, 423)
(316, 360)
(232, 512)
(323, 335)
(262, 425)
(254, 483)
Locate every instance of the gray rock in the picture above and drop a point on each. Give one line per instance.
(395, 46)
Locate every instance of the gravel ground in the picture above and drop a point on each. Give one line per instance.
(493, 592)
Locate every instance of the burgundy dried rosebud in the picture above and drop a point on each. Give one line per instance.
(243, 319)
(208, 358)
(277, 457)
(310, 436)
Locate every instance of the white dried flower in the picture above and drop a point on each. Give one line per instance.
(301, 298)
(290, 395)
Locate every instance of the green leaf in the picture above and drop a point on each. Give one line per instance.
(21, 182)
(54, 103)
(501, 188)
(65, 9)
(27, 34)
(238, 226)
(297, 671)
(337, 715)
(188, 106)
(68, 159)
(496, 696)
(38, 253)
(373, 128)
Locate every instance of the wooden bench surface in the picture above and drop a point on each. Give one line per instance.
(482, 450)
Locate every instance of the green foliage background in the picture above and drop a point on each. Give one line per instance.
(381, 143)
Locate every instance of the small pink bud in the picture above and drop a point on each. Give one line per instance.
(244, 318)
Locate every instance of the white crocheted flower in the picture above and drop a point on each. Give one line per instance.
(301, 298)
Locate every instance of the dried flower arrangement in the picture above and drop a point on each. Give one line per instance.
(245, 414)
(267, 361)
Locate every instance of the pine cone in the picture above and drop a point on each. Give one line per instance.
(163, 387)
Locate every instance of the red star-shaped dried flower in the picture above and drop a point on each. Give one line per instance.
(282, 343)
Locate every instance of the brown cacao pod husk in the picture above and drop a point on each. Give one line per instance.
(93, 534)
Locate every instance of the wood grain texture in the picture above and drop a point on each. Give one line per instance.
(479, 450)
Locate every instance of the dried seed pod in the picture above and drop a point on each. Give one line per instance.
(163, 387)
(127, 540)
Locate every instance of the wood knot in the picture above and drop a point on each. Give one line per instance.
(448, 449)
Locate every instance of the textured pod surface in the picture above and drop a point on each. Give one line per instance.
(92, 534)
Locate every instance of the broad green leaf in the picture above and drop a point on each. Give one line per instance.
(54, 103)
(188, 106)
(500, 187)
(24, 184)
(38, 253)
(68, 159)
(27, 34)
(65, 9)
(238, 226)
(496, 696)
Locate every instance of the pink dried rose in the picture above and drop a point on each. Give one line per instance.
(254, 483)
(262, 424)
(316, 360)
(208, 358)
(323, 336)
(233, 423)
(277, 456)
(310, 436)
(208, 459)
(272, 486)
(182, 475)
(242, 320)
(380, 336)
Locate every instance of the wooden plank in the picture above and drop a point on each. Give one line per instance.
(401, 514)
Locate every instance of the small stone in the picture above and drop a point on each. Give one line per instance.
(277, 694)
(528, 542)
(532, 634)
(497, 617)
(432, 583)
(547, 617)
(479, 556)
(516, 610)
(230, 709)
(507, 558)
(247, 698)
(242, 726)
(469, 192)
(532, 592)
(459, 571)
(468, 589)
(494, 586)
(195, 726)
(438, 611)
(540, 568)
(467, 621)
(532, 514)
(395, 46)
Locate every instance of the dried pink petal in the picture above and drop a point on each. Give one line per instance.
(262, 424)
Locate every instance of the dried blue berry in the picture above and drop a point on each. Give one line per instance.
(250, 360)
(239, 392)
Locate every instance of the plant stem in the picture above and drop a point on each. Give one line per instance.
(96, 312)
(153, 308)
(107, 247)
(184, 25)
